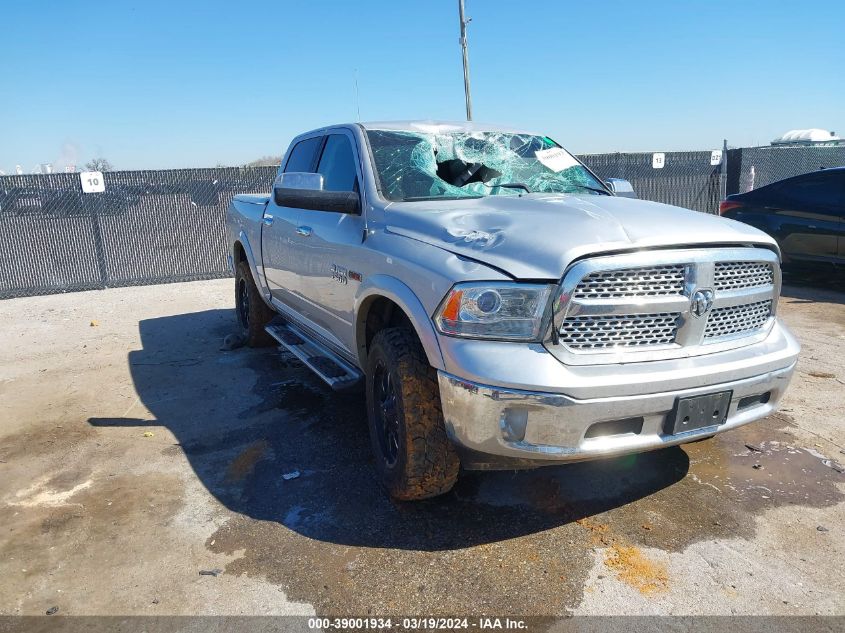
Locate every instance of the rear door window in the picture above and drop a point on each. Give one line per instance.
(822, 191)
(337, 164)
(303, 154)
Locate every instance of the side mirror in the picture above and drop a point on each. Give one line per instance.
(299, 180)
(621, 187)
(301, 190)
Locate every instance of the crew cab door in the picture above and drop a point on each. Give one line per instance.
(327, 246)
(279, 227)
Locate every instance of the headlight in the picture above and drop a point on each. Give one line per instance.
(506, 311)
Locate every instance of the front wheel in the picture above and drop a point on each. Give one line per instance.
(414, 457)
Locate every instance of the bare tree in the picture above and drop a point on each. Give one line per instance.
(98, 164)
(265, 161)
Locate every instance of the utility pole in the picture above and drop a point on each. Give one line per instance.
(464, 23)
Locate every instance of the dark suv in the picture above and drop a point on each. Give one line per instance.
(805, 214)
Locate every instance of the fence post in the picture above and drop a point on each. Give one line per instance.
(99, 250)
(723, 172)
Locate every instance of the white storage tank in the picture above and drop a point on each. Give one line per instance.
(812, 136)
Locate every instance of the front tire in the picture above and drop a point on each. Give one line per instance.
(414, 457)
(253, 314)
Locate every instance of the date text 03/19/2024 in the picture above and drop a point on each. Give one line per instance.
(418, 623)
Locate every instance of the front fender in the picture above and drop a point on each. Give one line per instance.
(391, 288)
(257, 271)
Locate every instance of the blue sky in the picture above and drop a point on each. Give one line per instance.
(175, 84)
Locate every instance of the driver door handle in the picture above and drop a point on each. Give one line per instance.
(268, 219)
(304, 231)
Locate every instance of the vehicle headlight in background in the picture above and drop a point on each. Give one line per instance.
(504, 311)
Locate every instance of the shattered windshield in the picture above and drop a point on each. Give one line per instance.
(426, 166)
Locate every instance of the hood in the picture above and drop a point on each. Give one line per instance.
(536, 236)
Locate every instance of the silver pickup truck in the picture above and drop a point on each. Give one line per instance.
(501, 306)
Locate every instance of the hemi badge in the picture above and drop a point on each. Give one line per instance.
(354, 276)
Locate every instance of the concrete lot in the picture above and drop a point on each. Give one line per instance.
(134, 454)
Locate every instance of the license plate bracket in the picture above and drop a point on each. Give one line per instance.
(698, 412)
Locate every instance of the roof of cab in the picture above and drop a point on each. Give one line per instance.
(422, 127)
(439, 127)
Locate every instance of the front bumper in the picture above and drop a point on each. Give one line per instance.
(503, 427)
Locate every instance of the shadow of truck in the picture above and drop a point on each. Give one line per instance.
(247, 417)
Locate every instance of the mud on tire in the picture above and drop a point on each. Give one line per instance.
(253, 314)
(414, 457)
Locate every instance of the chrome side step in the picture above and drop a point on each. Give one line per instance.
(336, 372)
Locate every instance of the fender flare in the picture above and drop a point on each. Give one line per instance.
(257, 273)
(391, 288)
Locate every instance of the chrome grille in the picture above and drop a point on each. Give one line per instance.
(604, 332)
(742, 319)
(632, 282)
(735, 275)
(660, 304)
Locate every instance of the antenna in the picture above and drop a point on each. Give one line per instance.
(357, 102)
(464, 23)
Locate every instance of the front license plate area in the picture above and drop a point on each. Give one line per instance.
(698, 412)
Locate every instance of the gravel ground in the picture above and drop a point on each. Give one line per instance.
(135, 454)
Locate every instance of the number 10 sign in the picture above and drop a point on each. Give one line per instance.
(92, 182)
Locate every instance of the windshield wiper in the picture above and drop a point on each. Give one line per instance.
(514, 185)
(522, 185)
(509, 185)
(588, 188)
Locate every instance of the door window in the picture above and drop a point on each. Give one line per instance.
(819, 191)
(302, 155)
(337, 164)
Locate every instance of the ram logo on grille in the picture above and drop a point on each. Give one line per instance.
(701, 302)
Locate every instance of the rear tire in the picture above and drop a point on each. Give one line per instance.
(414, 457)
(253, 314)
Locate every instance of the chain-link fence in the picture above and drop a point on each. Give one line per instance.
(684, 179)
(754, 167)
(147, 227)
(165, 226)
